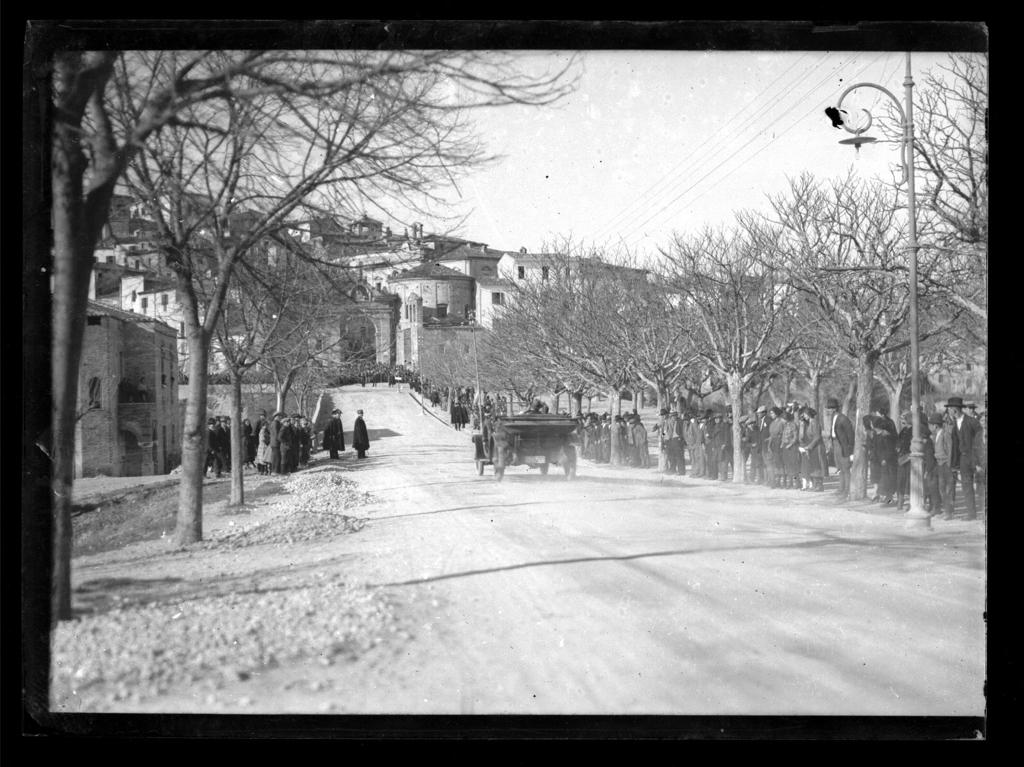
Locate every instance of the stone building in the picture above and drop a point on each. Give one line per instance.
(129, 422)
(431, 295)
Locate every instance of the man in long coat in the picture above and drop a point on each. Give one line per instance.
(966, 455)
(360, 437)
(334, 434)
(840, 435)
(289, 445)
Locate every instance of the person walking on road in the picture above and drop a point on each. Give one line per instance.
(360, 437)
(334, 435)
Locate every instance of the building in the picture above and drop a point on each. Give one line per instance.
(433, 296)
(129, 415)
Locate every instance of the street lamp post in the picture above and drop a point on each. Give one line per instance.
(916, 517)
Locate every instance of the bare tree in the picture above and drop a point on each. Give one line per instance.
(365, 124)
(951, 164)
(739, 302)
(842, 244)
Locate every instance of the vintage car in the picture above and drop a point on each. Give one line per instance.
(534, 439)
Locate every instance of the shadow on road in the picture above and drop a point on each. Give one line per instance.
(902, 549)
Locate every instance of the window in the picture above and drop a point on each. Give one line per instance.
(442, 310)
(181, 325)
(94, 321)
(95, 393)
(110, 259)
(145, 303)
(543, 272)
(135, 296)
(138, 264)
(521, 271)
(163, 300)
(497, 299)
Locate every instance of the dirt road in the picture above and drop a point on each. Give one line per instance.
(625, 592)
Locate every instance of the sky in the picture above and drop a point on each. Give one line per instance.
(656, 142)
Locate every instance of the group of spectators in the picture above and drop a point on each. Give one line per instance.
(281, 444)
(788, 447)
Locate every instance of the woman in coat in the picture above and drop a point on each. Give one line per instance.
(811, 450)
(640, 450)
(263, 450)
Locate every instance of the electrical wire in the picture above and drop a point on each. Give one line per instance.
(690, 163)
(630, 233)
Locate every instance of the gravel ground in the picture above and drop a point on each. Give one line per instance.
(133, 652)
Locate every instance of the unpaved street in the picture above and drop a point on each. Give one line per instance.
(624, 592)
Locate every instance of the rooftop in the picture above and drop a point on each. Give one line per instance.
(97, 309)
(430, 270)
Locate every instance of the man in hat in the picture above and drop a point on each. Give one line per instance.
(677, 417)
(288, 443)
(334, 435)
(966, 450)
(942, 444)
(225, 441)
(213, 448)
(305, 440)
(360, 436)
(671, 441)
(840, 435)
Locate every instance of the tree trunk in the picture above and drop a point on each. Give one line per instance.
(734, 389)
(237, 444)
(848, 400)
(815, 377)
(558, 400)
(73, 249)
(189, 526)
(577, 399)
(865, 384)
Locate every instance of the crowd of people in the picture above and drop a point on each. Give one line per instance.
(789, 447)
(281, 444)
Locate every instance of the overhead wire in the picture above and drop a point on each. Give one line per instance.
(773, 139)
(689, 160)
(631, 232)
